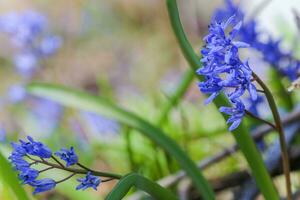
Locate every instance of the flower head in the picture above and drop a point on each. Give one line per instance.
(68, 155)
(18, 162)
(224, 71)
(237, 113)
(88, 181)
(36, 148)
(283, 61)
(28, 175)
(42, 185)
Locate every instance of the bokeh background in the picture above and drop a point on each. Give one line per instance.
(124, 50)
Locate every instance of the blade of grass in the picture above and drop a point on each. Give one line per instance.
(9, 177)
(85, 101)
(241, 135)
(142, 183)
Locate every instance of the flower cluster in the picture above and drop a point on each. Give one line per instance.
(283, 62)
(28, 153)
(224, 71)
(28, 33)
(32, 42)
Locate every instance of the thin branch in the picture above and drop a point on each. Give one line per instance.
(283, 146)
(260, 119)
(68, 177)
(261, 91)
(58, 162)
(46, 169)
(107, 180)
(84, 167)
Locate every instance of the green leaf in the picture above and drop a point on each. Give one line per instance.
(241, 135)
(142, 183)
(9, 177)
(85, 101)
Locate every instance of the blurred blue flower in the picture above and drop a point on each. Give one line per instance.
(283, 62)
(100, 124)
(253, 108)
(42, 185)
(68, 155)
(88, 181)
(2, 135)
(26, 64)
(49, 45)
(23, 27)
(16, 93)
(28, 31)
(47, 112)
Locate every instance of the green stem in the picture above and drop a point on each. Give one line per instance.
(142, 183)
(242, 136)
(129, 149)
(284, 152)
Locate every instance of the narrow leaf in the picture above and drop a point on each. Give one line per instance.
(9, 177)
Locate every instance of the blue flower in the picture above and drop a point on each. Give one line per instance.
(48, 114)
(28, 175)
(223, 70)
(284, 62)
(28, 33)
(26, 64)
(88, 181)
(16, 94)
(23, 27)
(68, 155)
(225, 13)
(49, 45)
(2, 135)
(99, 124)
(211, 86)
(18, 149)
(236, 113)
(36, 148)
(18, 162)
(42, 185)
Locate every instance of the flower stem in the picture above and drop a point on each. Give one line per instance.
(68, 177)
(57, 161)
(46, 169)
(78, 171)
(260, 119)
(284, 153)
